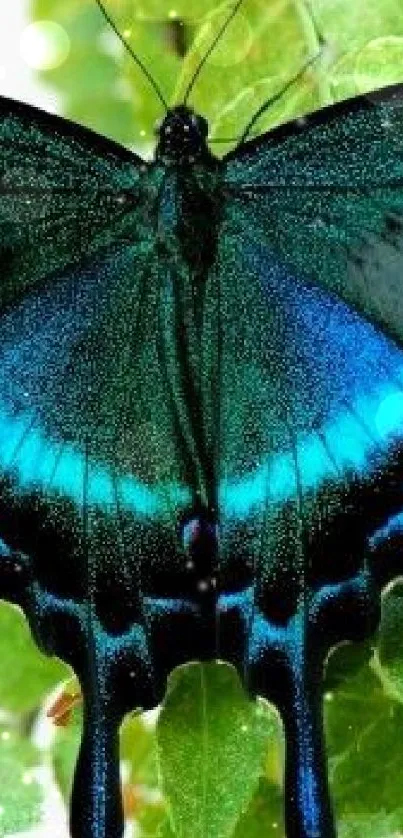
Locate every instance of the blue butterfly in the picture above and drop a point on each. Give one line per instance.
(201, 411)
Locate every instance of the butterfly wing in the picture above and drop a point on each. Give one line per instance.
(318, 207)
(96, 445)
(63, 191)
(311, 410)
(310, 461)
(326, 192)
(90, 459)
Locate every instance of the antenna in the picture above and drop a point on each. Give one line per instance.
(211, 48)
(269, 102)
(135, 57)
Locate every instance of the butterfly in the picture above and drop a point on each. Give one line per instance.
(201, 411)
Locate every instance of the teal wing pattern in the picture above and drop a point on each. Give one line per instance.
(89, 451)
(313, 229)
(64, 193)
(311, 430)
(326, 191)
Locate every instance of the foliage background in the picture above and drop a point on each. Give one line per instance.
(210, 765)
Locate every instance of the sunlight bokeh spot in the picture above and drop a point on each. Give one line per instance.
(44, 45)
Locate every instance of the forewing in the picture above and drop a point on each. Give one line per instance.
(64, 193)
(326, 193)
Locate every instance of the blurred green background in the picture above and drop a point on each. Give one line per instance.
(209, 764)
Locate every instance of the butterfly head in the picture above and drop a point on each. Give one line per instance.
(182, 137)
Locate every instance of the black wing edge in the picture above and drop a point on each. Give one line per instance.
(52, 124)
(364, 101)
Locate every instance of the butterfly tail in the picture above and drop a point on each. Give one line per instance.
(96, 807)
(96, 803)
(287, 667)
(115, 676)
(308, 811)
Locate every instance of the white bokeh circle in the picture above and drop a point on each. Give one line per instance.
(44, 45)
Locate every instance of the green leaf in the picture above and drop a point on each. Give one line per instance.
(389, 656)
(264, 816)
(352, 710)
(212, 744)
(138, 746)
(26, 675)
(367, 775)
(380, 825)
(345, 661)
(65, 751)
(363, 727)
(126, 11)
(266, 44)
(20, 794)
(15, 746)
(153, 822)
(242, 72)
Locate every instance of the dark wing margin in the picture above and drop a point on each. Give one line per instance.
(62, 188)
(325, 192)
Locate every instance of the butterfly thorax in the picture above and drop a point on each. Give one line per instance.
(182, 138)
